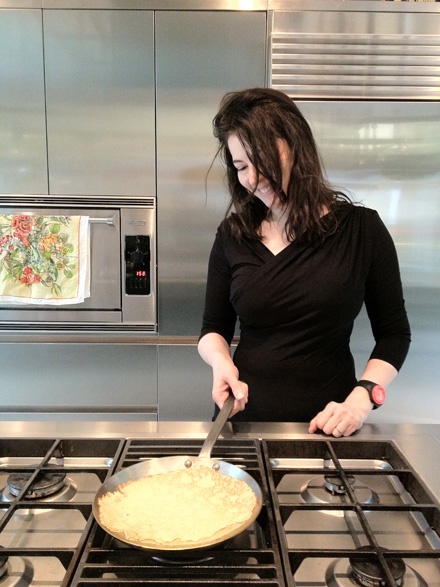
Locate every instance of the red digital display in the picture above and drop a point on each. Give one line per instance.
(140, 273)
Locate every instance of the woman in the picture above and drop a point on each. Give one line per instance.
(295, 260)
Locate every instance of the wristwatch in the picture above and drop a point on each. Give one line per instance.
(375, 391)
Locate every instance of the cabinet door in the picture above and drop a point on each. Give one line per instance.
(100, 101)
(184, 383)
(200, 57)
(118, 380)
(22, 114)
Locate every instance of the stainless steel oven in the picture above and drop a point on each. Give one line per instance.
(121, 268)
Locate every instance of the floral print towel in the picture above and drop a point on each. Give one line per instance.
(44, 259)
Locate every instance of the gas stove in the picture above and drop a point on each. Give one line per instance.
(336, 513)
(353, 513)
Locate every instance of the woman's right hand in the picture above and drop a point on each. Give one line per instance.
(215, 351)
(226, 381)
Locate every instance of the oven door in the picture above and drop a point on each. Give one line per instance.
(105, 271)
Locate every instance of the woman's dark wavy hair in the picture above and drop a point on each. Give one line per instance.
(260, 116)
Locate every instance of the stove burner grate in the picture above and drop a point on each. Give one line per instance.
(250, 558)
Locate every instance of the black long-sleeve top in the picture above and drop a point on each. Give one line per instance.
(296, 312)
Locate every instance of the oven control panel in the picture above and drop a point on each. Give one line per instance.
(137, 265)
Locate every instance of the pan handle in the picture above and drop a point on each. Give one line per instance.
(217, 427)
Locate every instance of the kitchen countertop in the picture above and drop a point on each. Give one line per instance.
(420, 443)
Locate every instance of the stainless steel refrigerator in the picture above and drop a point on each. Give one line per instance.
(367, 80)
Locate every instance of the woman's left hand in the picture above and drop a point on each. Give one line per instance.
(340, 419)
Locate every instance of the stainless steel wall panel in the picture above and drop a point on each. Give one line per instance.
(200, 56)
(23, 161)
(157, 4)
(100, 101)
(21, 4)
(413, 6)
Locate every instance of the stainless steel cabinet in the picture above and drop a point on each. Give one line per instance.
(184, 383)
(23, 162)
(72, 379)
(100, 101)
(200, 57)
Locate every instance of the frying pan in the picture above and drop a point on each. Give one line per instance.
(176, 463)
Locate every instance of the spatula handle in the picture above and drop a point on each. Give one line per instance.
(217, 427)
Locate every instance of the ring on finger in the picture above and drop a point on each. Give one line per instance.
(336, 428)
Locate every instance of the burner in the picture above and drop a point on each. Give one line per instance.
(44, 486)
(3, 565)
(251, 538)
(15, 571)
(360, 572)
(368, 572)
(335, 485)
(182, 559)
(330, 489)
(188, 557)
(52, 487)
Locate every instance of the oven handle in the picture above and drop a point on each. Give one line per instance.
(110, 220)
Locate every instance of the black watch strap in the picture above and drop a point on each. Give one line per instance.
(375, 391)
